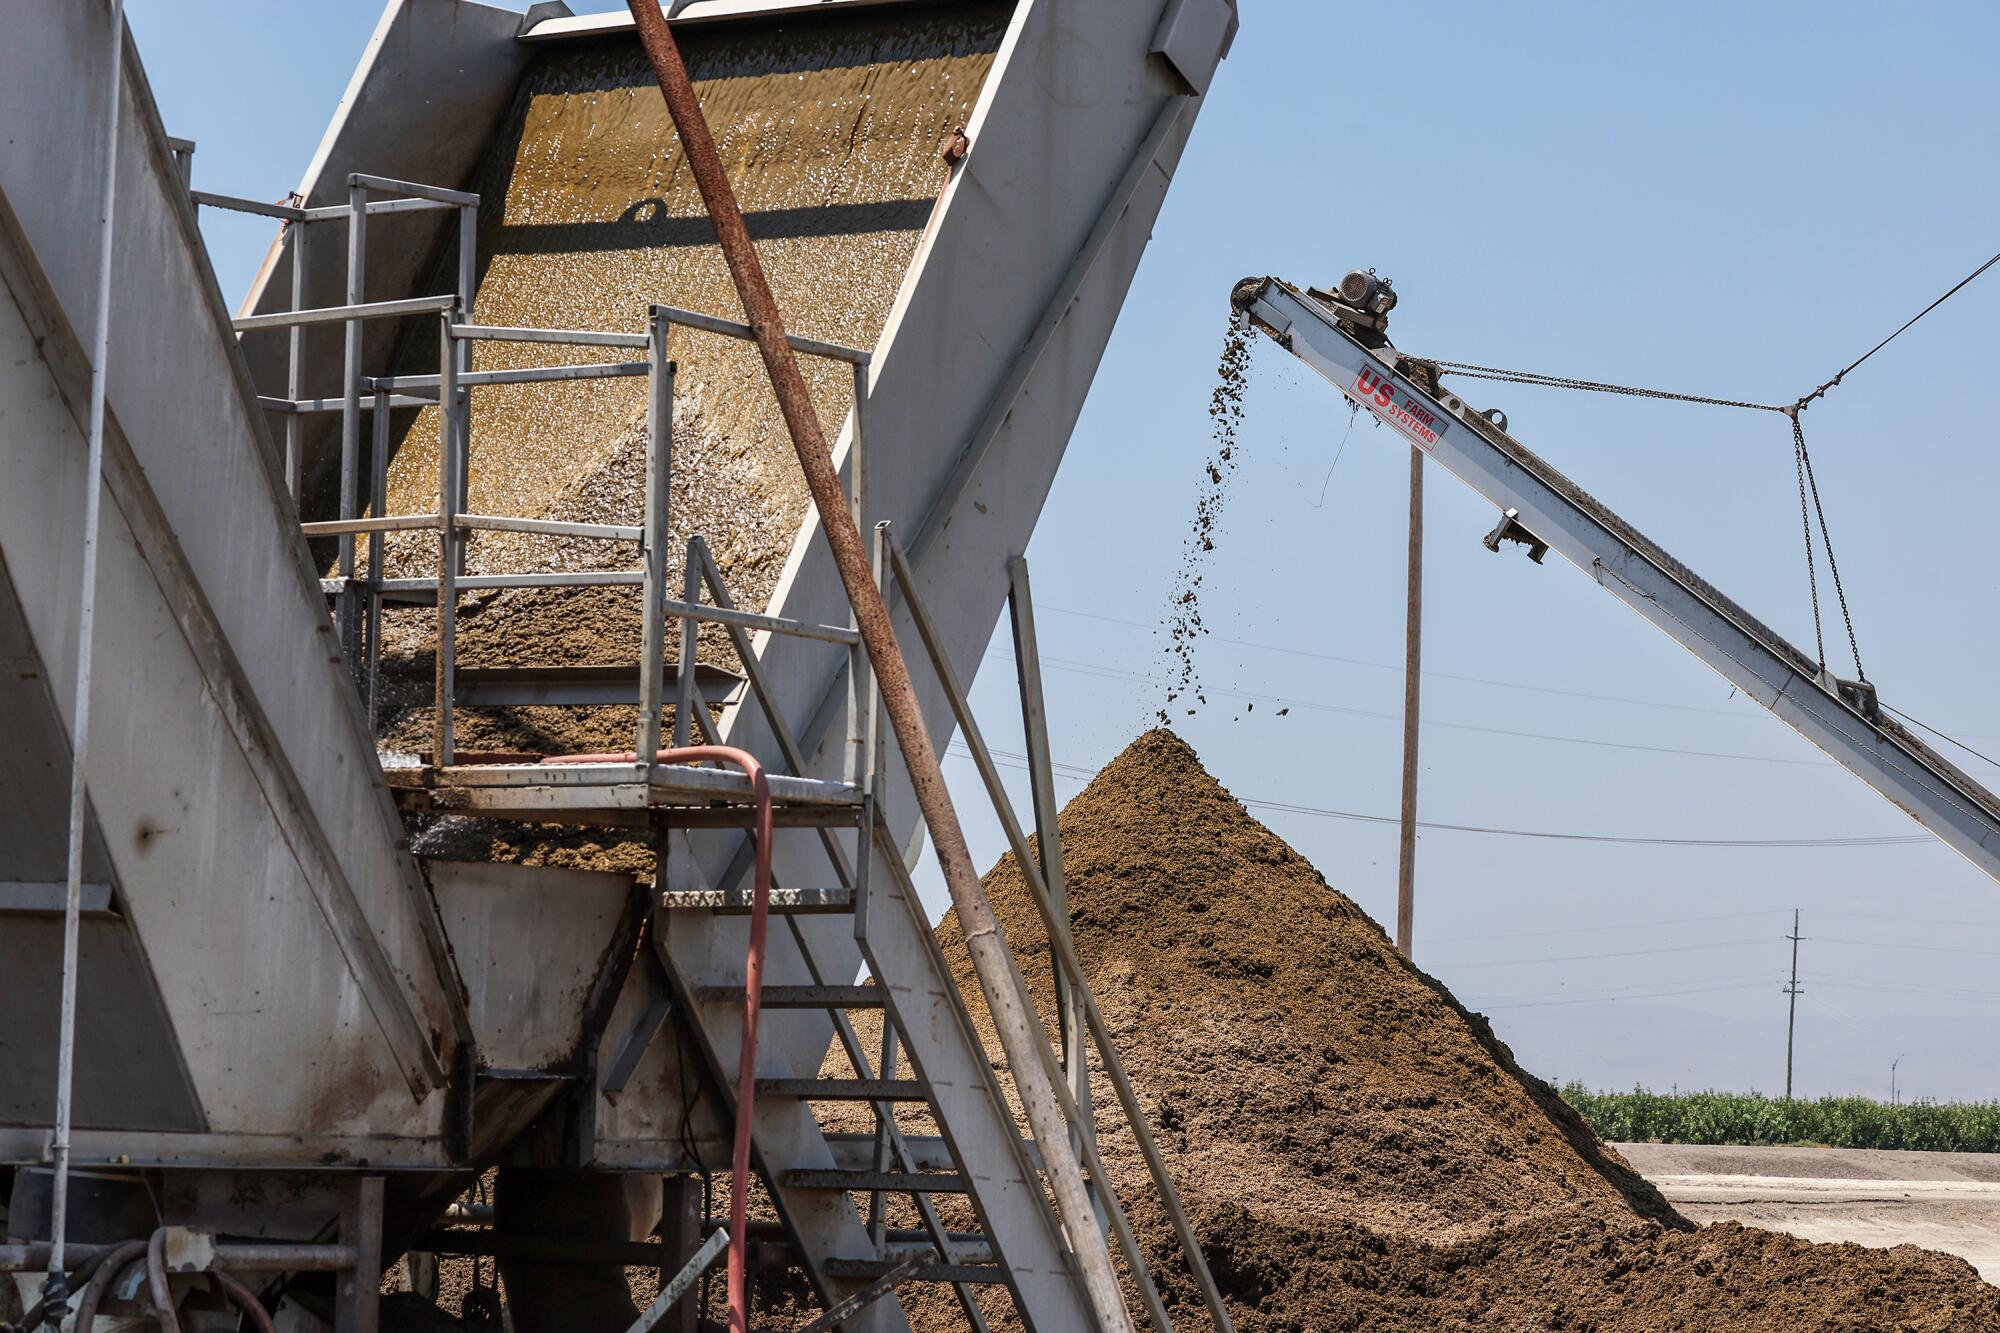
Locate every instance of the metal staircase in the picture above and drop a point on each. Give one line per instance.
(830, 1190)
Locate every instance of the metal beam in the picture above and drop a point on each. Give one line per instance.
(1638, 572)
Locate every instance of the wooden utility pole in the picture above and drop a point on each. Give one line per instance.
(1406, 870)
(1792, 1019)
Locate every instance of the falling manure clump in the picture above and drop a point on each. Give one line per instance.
(1183, 627)
(1355, 1149)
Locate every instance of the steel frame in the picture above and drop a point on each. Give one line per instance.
(1541, 502)
(636, 790)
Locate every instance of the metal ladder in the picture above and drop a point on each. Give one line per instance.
(931, 1055)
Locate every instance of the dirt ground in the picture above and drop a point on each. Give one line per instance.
(1940, 1201)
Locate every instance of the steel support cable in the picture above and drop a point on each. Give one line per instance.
(1943, 736)
(1809, 482)
(1467, 370)
(1962, 283)
(1802, 459)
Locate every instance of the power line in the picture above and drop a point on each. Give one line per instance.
(1565, 992)
(1592, 930)
(1737, 713)
(1436, 675)
(1619, 999)
(1917, 992)
(1008, 759)
(1114, 673)
(1913, 920)
(1622, 953)
(1921, 948)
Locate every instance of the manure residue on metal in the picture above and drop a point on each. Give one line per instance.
(1184, 627)
(830, 128)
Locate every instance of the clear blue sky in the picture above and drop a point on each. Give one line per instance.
(1733, 200)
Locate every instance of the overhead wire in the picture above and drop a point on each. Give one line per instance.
(1619, 925)
(1617, 953)
(1564, 992)
(1018, 762)
(1808, 483)
(1390, 666)
(1619, 999)
(1116, 673)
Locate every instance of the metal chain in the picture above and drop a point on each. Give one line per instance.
(1833, 567)
(1470, 371)
(1809, 501)
(1805, 525)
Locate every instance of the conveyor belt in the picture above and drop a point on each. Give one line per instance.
(1556, 511)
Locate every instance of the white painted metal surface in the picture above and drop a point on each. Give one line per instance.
(242, 811)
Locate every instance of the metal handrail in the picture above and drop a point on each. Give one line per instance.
(342, 314)
(730, 328)
(1072, 965)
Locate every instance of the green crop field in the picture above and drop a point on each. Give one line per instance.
(1639, 1116)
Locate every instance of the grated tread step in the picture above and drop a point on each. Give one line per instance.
(737, 901)
(900, 1182)
(799, 997)
(844, 1089)
(874, 1268)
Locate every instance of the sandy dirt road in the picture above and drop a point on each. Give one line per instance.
(1941, 1201)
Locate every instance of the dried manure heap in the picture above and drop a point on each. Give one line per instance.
(1356, 1150)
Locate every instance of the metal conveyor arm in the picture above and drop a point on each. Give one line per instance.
(1543, 509)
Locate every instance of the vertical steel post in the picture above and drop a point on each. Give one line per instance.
(442, 742)
(1012, 1010)
(1048, 837)
(860, 683)
(346, 606)
(378, 504)
(57, 1290)
(294, 372)
(885, 1123)
(356, 1290)
(686, 697)
(1406, 859)
(653, 588)
(468, 263)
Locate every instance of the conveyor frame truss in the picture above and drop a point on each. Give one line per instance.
(1545, 510)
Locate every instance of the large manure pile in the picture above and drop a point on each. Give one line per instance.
(1357, 1151)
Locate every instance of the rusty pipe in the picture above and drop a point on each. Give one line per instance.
(245, 1300)
(1006, 996)
(753, 992)
(156, 1282)
(113, 1263)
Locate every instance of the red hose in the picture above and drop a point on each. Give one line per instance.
(753, 987)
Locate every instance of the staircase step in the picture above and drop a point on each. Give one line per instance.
(737, 901)
(874, 1268)
(856, 1152)
(799, 997)
(596, 683)
(843, 1089)
(900, 1182)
